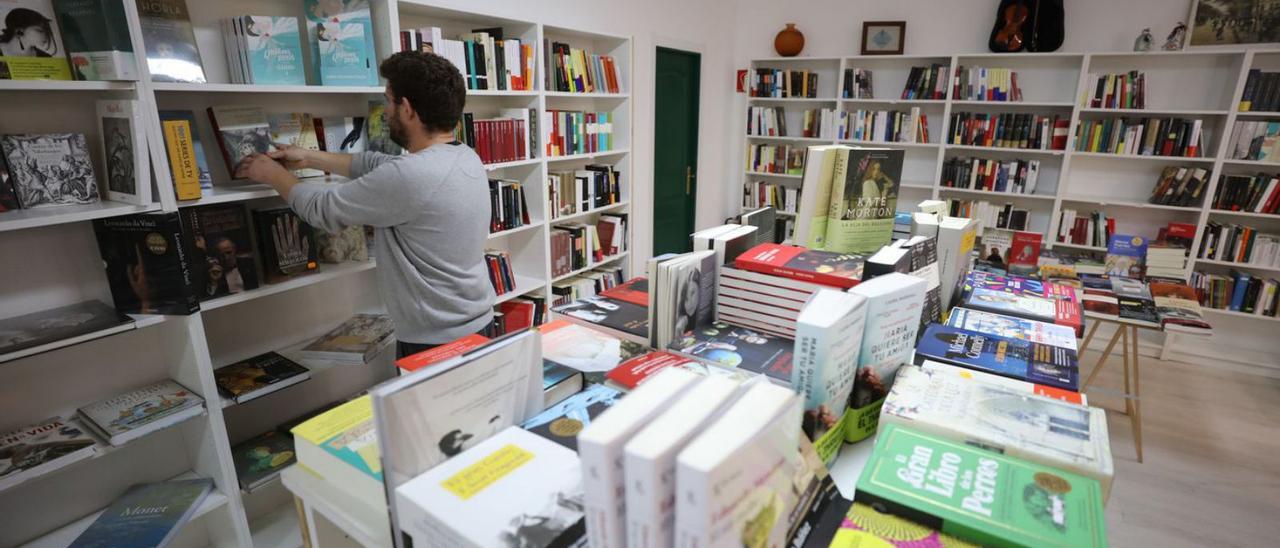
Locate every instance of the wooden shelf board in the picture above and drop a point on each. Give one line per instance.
(1140, 157)
(20, 219)
(1034, 151)
(1226, 213)
(65, 85)
(327, 272)
(1245, 266)
(1080, 246)
(779, 175)
(1238, 314)
(516, 230)
(139, 321)
(524, 286)
(606, 260)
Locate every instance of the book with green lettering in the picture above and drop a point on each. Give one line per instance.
(978, 495)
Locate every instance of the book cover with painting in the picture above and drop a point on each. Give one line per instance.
(242, 131)
(221, 251)
(274, 48)
(864, 199)
(894, 302)
(40, 448)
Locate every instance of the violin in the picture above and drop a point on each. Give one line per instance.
(1010, 36)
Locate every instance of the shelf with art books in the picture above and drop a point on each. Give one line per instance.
(21, 219)
(273, 372)
(88, 321)
(324, 273)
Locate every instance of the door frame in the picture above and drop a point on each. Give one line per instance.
(659, 40)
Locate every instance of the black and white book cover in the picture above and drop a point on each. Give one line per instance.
(50, 169)
(147, 266)
(287, 244)
(125, 152)
(221, 249)
(38, 328)
(242, 132)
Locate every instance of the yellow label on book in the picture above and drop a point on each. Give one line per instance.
(483, 473)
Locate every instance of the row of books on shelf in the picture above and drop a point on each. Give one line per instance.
(1235, 243)
(929, 83)
(507, 204)
(573, 192)
(1256, 140)
(986, 84)
(575, 246)
(567, 132)
(780, 159)
(1261, 91)
(579, 71)
(772, 122)
(1142, 136)
(485, 57)
(1090, 229)
(782, 198)
(1120, 91)
(1009, 130)
(1180, 186)
(263, 50)
(857, 84)
(505, 139)
(1012, 176)
(782, 84)
(1238, 291)
(881, 126)
(501, 274)
(988, 214)
(587, 285)
(1248, 193)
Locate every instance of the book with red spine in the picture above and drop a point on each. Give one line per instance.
(441, 353)
(842, 270)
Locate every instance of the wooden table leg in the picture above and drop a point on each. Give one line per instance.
(1124, 352)
(1103, 359)
(1088, 337)
(1137, 397)
(303, 523)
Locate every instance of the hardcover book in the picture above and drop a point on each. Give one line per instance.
(50, 169)
(96, 34)
(124, 144)
(1012, 327)
(242, 131)
(864, 198)
(146, 515)
(147, 266)
(1134, 301)
(172, 55)
(274, 50)
(201, 165)
(866, 526)
(1023, 360)
(40, 448)
(259, 459)
(737, 347)
(467, 500)
(1007, 501)
(287, 244)
(828, 340)
(297, 129)
(622, 317)
(583, 348)
(258, 376)
(341, 33)
(1008, 421)
(359, 339)
(842, 270)
(341, 446)
(32, 48)
(65, 322)
(121, 418)
(221, 250)
(893, 309)
(562, 422)
(1125, 256)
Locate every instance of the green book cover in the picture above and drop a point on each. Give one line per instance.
(864, 199)
(96, 34)
(978, 495)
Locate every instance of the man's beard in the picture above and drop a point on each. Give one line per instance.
(397, 133)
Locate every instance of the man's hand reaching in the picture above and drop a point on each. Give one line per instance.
(291, 157)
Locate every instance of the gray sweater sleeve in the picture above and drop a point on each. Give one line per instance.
(379, 194)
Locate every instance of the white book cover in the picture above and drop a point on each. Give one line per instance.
(894, 302)
(514, 489)
(1012, 422)
(1014, 384)
(649, 462)
(956, 237)
(735, 242)
(702, 239)
(138, 412)
(1013, 327)
(736, 481)
(40, 448)
(828, 340)
(601, 444)
(124, 146)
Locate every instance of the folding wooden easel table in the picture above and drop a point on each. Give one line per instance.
(1127, 335)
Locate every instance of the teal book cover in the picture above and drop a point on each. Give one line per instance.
(341, 33)
(147, 515)
(275, 50)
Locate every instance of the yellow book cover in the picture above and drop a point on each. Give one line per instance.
(182, 159)
(346, 432)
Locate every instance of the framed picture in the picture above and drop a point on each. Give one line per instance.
(1227, 22)
(884, 37)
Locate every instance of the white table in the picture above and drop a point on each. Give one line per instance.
(357, 522)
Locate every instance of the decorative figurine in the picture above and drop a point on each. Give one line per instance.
(1176, 37)
(1143, 43)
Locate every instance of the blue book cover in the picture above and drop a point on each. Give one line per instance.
(1238, 292)
(562, 422)
(274, 49)
(1125, 256)
(1019, 359)
(147, 515)
(341, 32)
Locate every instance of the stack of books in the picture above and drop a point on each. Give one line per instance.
(618, 308)
(1166, 261)
(986, 84)
(357, 341)
(1237, 291)
(263, 50)
(340, 445)
(1239, 244)
(1033, 299)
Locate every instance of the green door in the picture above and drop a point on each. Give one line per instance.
(675, 149)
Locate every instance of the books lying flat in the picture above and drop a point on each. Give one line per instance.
(629, 374)
(866, 526)
(141, 411)
(1178, 308)
(622, 319)
(341, 446)
(513, 489)
(738, 347)
(357, 340)
(441, 353)
(64, 323)
(1009, 421)
(562, 422)
(260, 458)
(40, 448)
(939, 368)
(146, 515)
(258, 376)
(600, 447)
(1023, 360)
(583, 348)
(842, 270)
(1013, 327)
(1023, 297)
(1004, 501)
(559, 382)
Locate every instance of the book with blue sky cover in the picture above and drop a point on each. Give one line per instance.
(147, 515)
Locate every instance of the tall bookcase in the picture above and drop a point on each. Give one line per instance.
(51, 259)
(1198, 83)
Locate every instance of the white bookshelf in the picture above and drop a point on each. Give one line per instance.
(60, 265)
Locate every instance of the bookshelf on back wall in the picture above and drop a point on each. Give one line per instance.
(1205, 85)
(61, 266)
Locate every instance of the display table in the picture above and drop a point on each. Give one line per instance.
(1127, 335)
(360, 523)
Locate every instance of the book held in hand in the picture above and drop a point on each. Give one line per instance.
(357, 340)
(258, 376)
(146, 515)
(40, 448)
(50, 169)
(136, 413)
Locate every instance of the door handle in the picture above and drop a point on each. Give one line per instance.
(688, 180)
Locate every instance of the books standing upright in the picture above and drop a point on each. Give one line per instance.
(124, 146)
(172, 55)
(96, 33)
(147, 268)
(815, 198)
(894, 302)
(828, 340)
(864, 198)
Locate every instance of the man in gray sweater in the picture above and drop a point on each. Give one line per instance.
(429, 207)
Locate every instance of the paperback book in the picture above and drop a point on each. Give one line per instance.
(50, 169)
(864, 525)
(147, 267)
(172, 55)
(1012, 327)
(1024, 387)
(124, 145)
(620, 318)
(414, 362)
(221, 250)
(358, 340)
(585, 349)
(341, 446)
(146, 515)
(260, 459)
(258, 376)
(57, 324)
(40, 448)
(1023, 360)
(1126, 255)
(122, 418)
(864, 198)
(287, 244)
(341, 35)
(377, 131)
(841, 270)
(1023, 297)
(682, 295)
(32, 47)
(563, 421)
(828, 341)
(893, 308)
(273, 47)
(915, 476)
(186, 155)
(96, 33)
(737, 347)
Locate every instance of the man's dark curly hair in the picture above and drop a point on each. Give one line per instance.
(431, 84)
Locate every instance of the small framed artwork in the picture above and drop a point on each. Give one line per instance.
(883, 37)
(1229, 22)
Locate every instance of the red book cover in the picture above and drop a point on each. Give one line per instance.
(1059, 394)
(441, 353)
(634, 371)
(798, 263)
(1060, 129)
(1025, 249)
(634, 291)
(1181, 230)
(518, 314)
